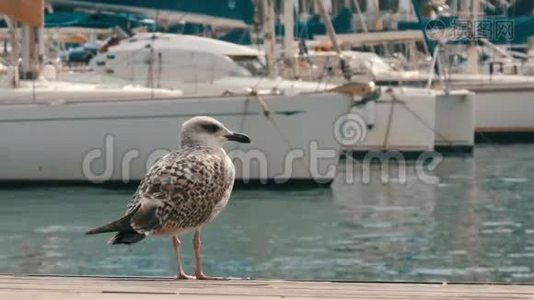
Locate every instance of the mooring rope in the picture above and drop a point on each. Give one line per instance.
(420, 119)
(268, 115)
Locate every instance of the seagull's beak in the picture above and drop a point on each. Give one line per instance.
(238, 137)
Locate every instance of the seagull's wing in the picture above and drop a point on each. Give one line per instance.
(151, 179)
(179, 191)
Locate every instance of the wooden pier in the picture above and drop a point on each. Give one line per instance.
(100, 288)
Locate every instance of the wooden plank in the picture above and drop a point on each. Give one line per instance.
(100, 288)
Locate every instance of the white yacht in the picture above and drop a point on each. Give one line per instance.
(502, 103)
(196, 65)
(223, 68)
(107, 127)
(405, 117)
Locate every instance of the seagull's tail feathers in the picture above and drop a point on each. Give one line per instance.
(125, 233)
(126, 237)
(118, 225)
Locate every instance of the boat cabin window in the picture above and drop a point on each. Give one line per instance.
(251, 65)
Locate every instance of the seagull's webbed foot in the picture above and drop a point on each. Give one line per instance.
(201, 276)
(183, 276)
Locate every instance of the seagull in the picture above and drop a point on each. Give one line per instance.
(183, 191)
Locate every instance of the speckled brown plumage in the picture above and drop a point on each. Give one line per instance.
(182, 191)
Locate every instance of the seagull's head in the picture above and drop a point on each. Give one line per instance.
(207, 131)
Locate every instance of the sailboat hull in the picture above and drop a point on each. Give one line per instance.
(505, 115)
(103, 141)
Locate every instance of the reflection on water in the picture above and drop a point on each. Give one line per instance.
(475, 224)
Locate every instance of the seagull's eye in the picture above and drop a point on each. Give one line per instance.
(210, 128)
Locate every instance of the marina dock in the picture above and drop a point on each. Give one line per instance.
(103, 288)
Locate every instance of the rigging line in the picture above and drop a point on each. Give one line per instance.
(322, 75)
(285, 138)
(390, 120)
(245, 112)
(329, 77)
(241, 126)
(260, 79)
(425, 123)
(257, 83)
(326, 74)
(34, 96)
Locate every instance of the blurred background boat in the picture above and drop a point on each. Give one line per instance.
(286, 115)
(414, 98)
(160, 60)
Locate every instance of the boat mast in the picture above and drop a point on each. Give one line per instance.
(29, 51)
(30, 14)
(269, 41)
(360, 15)
(472, 49)
(14, 68)
(289, 44)
(332, 35)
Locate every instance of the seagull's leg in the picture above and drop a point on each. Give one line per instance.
(176, 245)
(198, 259)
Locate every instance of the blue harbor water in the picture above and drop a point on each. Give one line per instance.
(475, 224)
